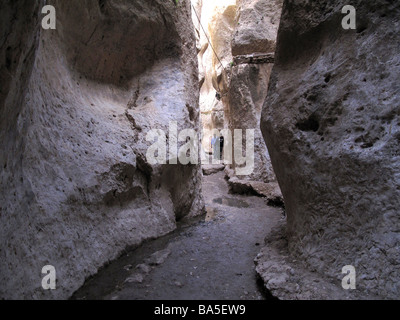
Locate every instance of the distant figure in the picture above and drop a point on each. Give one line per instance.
(221, 145)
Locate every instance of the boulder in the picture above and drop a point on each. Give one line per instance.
(210, 169)
(257, 26)
(270, 190)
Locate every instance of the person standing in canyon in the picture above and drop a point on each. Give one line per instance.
(221, 146)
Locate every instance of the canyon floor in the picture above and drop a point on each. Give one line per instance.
(207, 259)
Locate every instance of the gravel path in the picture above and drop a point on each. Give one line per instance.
(212, 258)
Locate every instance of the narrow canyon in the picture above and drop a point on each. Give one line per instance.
(199, 149)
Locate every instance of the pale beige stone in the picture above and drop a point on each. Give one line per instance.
(76, 104)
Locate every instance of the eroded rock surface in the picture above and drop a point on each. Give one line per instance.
(247, 92)
(285, 278)
(331, 122)
(254, 37)
(236, 46)
(258, 24)
(214, 46)
(76, 105)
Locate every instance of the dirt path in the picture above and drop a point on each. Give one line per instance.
(211, 259)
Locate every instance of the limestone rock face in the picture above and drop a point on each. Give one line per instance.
(247, 92)
(214, 34)
(332, 125)
(255, 33)
(234, 26)
(257, 26)
(76, 105)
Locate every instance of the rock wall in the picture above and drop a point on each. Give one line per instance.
(247, 92)
(76, 104)
(257, 26)
(237, 30)
(254, 36)
(217, 24)
(331, 122)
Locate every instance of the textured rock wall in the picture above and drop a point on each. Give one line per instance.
(247, 92)
(255, 34)
(218, 22)
(331, 122)
(76, 105)
(237, 29)
(257, 26)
